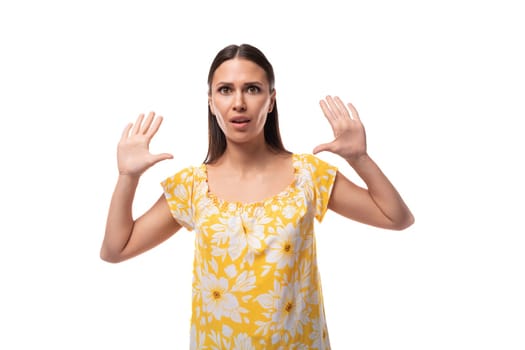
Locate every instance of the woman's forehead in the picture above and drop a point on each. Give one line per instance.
(239, 70)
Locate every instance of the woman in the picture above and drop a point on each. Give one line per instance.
(252, 206)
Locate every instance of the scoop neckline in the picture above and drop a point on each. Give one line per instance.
(263, 202)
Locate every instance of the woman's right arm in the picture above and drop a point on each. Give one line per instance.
(125, 237)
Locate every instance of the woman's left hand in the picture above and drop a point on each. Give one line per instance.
(349, 132)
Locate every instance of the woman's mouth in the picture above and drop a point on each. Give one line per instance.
(240, 122)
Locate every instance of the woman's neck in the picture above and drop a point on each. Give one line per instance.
(246, 158)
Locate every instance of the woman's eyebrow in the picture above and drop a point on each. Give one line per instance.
(253, 83)
(244, 84)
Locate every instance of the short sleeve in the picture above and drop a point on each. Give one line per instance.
(323, 178)
(178, 191)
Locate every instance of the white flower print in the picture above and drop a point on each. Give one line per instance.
(225, 229)
(283, 249)
(218, 341)
(205, 208)
(255, 280)
(289, 211)
(291, 314)
(319, 334)
(269, 301)
(178, 197)
(255, 230)
(287, 310)
(236, 233)
(243, 342)
(244, 282)
(180, 193)
(305, 277)
(255, 235)
(217, 299)
(229, 231)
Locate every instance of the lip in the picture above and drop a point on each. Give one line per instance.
(240, 119)
(240, 122)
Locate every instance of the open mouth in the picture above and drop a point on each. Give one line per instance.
(240, 121)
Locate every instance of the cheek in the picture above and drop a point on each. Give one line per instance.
(265, 109)
(217, 106)
(213, 108)
(218, 117)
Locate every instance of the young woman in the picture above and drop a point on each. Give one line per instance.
(252, 206)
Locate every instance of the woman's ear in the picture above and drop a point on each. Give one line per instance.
(210, 104)
(272, 101)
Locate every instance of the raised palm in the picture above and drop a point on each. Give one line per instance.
(133, 155)
(349, 132)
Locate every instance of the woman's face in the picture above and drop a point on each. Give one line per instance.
(240, 99)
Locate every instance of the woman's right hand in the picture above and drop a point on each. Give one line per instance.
(133, 155)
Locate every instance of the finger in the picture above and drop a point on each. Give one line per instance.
(138, 123)
(328, 108)
(154, 127)
(125, 133)
(323, 147)
(147, 123)
(160, 157)
(353, 110)
(329, 115)
(326, 111)
(342, 108)
(336, 110)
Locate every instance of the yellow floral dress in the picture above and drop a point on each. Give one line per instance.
(256, 282)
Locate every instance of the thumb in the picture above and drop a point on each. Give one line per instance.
(323, 147)
(160, 157)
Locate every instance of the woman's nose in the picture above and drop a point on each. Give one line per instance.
(238, 104)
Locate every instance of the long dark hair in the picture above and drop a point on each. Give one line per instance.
(216, 138)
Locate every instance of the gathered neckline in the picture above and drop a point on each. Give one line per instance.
(224, 203)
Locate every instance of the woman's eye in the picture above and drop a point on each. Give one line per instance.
(253, 89)
(224, 90)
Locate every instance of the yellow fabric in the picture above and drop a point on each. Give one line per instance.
(256, 283)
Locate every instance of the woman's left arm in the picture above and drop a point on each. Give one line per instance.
(379, 204)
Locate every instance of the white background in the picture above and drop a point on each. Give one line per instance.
(439, 85)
